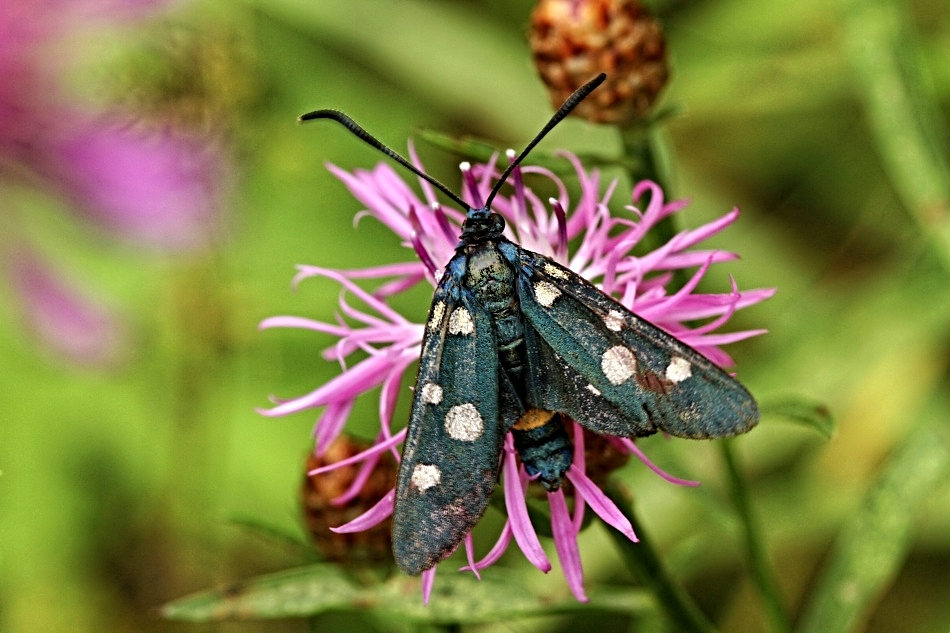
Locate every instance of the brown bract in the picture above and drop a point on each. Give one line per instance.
(320, 514)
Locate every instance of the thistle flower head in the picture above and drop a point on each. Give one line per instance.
(578, 231)
(573, 40)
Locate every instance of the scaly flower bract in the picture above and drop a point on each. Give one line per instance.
(602, 252)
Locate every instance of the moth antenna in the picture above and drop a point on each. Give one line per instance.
(579, 95)
(369, 139)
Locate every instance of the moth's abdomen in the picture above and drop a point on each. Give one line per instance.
(539, 435)
(544, 447)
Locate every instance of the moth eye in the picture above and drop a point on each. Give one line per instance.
(431, 393)
(678, 370)
(618, 363)
(461, 322)
(614, 320)
(463, 422)
(546, 293)
(438, 312)
(425, 476)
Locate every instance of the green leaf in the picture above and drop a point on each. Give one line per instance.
(277, 534)
(307, 591)
(294, 593)
(502, 594)
(871, 547)
(800, 410)
(903, 111)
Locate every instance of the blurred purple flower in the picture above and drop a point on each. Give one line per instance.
(73, 326)
(603, 254)
(136, 180)
(159, 189)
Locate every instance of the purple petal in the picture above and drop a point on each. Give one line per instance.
(600, 503)
(302, 323)
(725, 339)
(690, 259)
(701, 306)
(362, 377)
(470, 555)
(690, 238)
(367, 298)
(389, 394)
(402, 269)
(356, 486)
(330, 424)
(70, 324)
(375, 450)
(416, 241)
(374, 516)
(518, 518)
(565, 542)
(428, 579)
(492, 556)
(401, 285)
(366, 193)
(631, 446)
(470, 185)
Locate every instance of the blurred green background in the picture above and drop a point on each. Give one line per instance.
(123, 485)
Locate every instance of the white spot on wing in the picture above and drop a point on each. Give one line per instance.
(554, 271)
(431, 393)
(594, 390)
(424, 476)
(679, 370)
(438, 311)
(464, 422)
(546, 293)
(461, 322)
(618, 363)
(614, 320)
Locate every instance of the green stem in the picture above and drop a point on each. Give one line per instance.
(643, 147)
(643, 560)
(902, 111)
(755, 549)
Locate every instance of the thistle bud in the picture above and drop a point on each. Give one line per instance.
(325, 506)
(573, 40)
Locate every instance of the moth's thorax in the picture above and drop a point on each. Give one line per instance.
(489, 276)
(481, 225)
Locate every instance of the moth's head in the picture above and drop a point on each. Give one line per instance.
(482, 224)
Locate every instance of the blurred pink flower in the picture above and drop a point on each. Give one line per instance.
(603, 253)
(72, 325)
(158, 189)
(137, 180)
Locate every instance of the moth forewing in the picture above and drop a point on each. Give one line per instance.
(450, 457)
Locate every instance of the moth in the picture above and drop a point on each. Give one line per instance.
(515, 342)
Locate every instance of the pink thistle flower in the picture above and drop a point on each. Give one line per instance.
(602, 253)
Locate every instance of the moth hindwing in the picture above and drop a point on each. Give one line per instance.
(450, 457)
